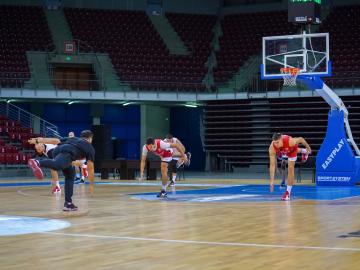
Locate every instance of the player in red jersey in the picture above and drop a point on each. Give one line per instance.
(165, 151)
(286, 145)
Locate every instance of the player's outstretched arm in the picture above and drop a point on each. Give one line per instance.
(301, 140)
(181, 145)
(77, 163)
(142, 166)
(90, 167)
(44, 140)
(180, 149)
(272, 158)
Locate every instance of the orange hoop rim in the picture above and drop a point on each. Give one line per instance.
(290, 70)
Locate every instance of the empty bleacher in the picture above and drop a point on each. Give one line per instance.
(22, 29)
(238, 132)
(15, 151)
(137, 51)
(242, 38)
(343, 26)
(243, 33)
(142, 59)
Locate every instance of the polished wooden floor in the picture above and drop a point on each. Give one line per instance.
(113, 231)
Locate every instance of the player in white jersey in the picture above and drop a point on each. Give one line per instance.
(176, 160)
(45, 150)
(165, 151)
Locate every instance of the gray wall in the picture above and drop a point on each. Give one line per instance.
(107, 4)
(155, 122)
(22, 2)
(179, 6)
(279, 6)
(254, 8)
(192, 6)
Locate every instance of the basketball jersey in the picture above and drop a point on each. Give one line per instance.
(285, 149)
(48, 149)
(163, 149)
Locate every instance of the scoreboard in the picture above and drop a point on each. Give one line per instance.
(304, 11)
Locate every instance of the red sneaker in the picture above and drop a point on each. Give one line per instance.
(34, 165)
(84, 171)
(56, 190)
(286, 196)
(304, 157)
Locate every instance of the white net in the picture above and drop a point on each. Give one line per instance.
(290, 75)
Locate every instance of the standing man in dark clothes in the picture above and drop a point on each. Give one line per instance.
(63, 155)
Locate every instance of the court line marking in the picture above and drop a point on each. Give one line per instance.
(173, 203)
(155, 184)
(234, 244)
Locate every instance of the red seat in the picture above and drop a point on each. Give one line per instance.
(23, 159)
(138, 63)
(2, 158)
(12, 158)
(28, 156)
(29, 32)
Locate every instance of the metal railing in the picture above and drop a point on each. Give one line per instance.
(94, 85)
(75, 84)
(256, 85)
(30, 120)
(253, 85)
(202, 131)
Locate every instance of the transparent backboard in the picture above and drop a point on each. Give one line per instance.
(308, 52)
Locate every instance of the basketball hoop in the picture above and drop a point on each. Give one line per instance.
(290, 74)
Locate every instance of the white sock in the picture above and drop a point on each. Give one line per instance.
(174, 178)
(164, 187)
(288, 189)
(303, 151)
(57, 183)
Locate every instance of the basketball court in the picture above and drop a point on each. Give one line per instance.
(203, 224)
(227, 221)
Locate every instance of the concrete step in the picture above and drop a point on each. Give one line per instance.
(40, 78)
(109, 77)
(171, 39)
(59, 28)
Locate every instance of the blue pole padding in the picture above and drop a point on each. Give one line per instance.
(312, 82)
(336, 164)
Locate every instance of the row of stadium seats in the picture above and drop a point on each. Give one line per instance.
(242, 38)
(15, 158)
(14, 146)
(139, 54)
(239, 139)
(22, 29)
(343, 26)
(137, 35)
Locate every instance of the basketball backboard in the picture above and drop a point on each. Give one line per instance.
(308, 52)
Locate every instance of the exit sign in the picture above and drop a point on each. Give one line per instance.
(69, 47)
